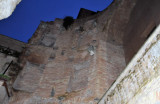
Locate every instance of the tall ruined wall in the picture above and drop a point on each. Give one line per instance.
(143, 20)
(68, 66)
(140, 81)
(79, 64)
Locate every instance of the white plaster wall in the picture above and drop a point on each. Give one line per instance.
(7, 7)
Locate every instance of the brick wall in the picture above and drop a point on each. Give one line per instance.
(143, 20)
(139, 82)
(60, 62)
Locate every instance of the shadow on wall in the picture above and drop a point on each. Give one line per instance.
(143, 20)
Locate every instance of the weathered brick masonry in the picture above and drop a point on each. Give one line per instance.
(78, 65)
(60, 60)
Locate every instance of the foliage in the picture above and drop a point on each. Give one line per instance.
(67, 22)
(5, 77)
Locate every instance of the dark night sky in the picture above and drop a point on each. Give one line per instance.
(28, 14)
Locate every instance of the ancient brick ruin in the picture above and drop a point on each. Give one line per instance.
(95, 61)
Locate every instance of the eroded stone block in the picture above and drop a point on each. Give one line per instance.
(79, 79)
(37, 54)
(29, 78)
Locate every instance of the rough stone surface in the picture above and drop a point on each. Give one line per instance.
(59, 67)
(36, 54)
(7, 7)
(29, 78)
(74, 74)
